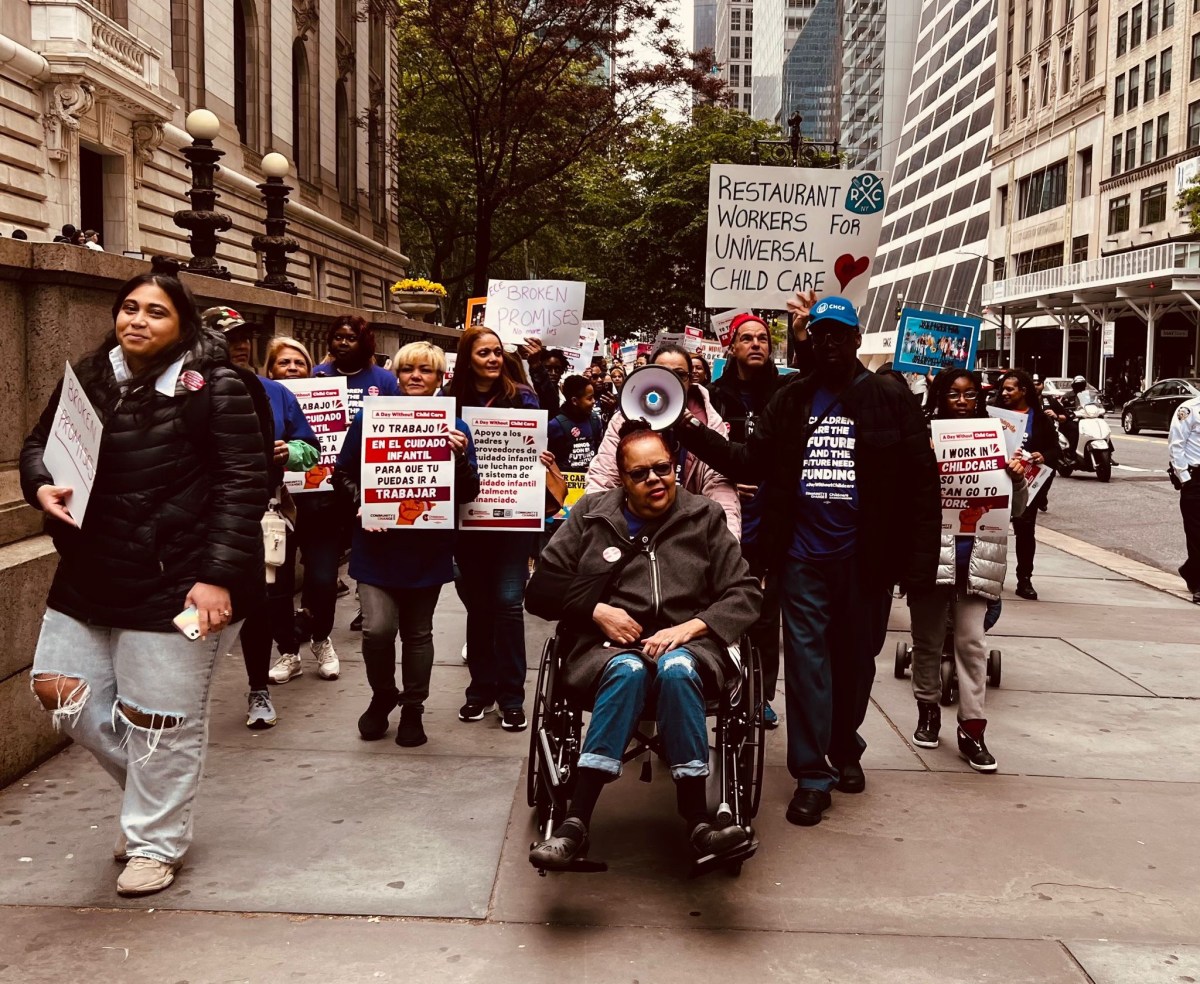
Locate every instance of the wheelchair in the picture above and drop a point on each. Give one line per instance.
(736, 754)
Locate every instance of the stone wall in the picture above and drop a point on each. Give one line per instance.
(55, 305)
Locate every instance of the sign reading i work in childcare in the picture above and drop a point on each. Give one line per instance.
(512, 481)
(976, 490)
(929, 342)
(73, 445)
(325, 403)
(775, 230)
(407, 463)
(549, 310)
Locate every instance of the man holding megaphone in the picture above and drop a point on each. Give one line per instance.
(850, 509)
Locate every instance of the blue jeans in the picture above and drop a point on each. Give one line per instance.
(492, 570)
(833, 628)
(679, 695)
(321, 536)
(156, 673)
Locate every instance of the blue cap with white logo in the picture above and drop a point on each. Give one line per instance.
(834, 309)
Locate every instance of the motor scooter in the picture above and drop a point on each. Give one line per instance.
(1096, 448)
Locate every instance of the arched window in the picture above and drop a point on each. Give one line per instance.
(245, 71)
(303, 113)
(345, 145)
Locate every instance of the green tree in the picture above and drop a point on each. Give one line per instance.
(1188, 203)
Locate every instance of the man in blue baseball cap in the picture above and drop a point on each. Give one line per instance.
(852, 508)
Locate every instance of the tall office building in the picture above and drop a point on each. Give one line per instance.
(735, 49)
(812, 74)
(704, 26)
(933, 246)
(777, 25)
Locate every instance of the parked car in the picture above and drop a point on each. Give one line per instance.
(1155, 407)
(1060, 387)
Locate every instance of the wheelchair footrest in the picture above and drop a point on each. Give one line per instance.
(585, 866)
(715, 862)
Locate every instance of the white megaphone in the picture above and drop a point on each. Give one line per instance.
(655, 395)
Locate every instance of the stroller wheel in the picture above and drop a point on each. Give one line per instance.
(949, 692)
(993, 668)
(903, 659)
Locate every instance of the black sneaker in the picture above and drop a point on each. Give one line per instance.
(975, 752)
(568, 842)
(929, 723)
(373, 724)
(707, 839)
(409, 733)
(513, 719)
(473, 711)
(343, 588)
(1025, 589)
(356, 622)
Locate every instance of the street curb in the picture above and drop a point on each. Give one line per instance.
(1135, 570)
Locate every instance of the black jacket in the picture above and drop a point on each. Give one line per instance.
(180, 491)
(899, 507)
(726, 396)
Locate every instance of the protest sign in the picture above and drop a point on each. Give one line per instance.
(928, 341)
(576, 483)
(512, 481)
(773, 231)
(550, 310)
(451, 360)
(407, 462)
(580, 357)
(599, 326)
(693, 338)
(711, 350)
(722, 324)
(325, 402)
(628, 353)
(1014, 427)
(73, 445)
(976, 491)
(476, 308)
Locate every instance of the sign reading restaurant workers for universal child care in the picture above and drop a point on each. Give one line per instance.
(775, 230)
(549, 310)
(325, 402)
(407, 463)
(976, 490)
(73, 445)
(512, 481)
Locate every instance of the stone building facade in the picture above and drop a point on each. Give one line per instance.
(94, 94)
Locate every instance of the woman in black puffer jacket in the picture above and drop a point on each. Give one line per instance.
(172, 524)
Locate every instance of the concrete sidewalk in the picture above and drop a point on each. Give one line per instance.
(322, 858)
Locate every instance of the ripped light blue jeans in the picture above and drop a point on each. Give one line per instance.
(626, 683)
(160, 674)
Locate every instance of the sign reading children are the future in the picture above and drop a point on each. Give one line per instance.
(775, 230)
(407, 463)
(928, 341)
(976, 490)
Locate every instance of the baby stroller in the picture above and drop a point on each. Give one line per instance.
(949, 694)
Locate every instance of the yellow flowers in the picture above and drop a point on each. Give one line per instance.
(418, 285)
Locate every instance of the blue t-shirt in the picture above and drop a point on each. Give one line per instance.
(635, 523)
(371, 381)
(290, 422)
(826, 526)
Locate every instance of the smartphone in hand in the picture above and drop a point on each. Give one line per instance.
(188, 622)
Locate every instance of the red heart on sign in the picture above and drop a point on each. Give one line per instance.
(846, 268)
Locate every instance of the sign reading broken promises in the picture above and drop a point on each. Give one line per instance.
(775, 230)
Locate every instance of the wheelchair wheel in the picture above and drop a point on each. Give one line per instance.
(540, 700)
(742, 734)
(949, 692)
(993, 668)
(903, 659)
(554, 744)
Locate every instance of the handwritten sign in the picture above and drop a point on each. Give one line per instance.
(512, 481)
(580, 357)
(775, 230)
(976, 491)
(73, 445)
(551, 310)
(407, 463)
(325, 402)
(927, 340)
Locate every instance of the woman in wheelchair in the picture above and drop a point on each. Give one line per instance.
(649, 588)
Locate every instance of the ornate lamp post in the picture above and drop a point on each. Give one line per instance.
(276, 244)
(202, 220)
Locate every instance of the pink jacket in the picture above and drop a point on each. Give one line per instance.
(698, 478)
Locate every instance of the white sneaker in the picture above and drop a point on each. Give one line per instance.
(144, 876)
(286, 668)
(328, 666)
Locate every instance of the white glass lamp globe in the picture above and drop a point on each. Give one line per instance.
(275, 166)
(202, 124)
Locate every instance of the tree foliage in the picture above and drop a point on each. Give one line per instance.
(1188, 203)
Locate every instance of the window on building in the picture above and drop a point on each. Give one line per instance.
(1008, 36)
(1131, 148)
(1089, 61)
(245, 72)
(344, 129)
(1085, 172)
(1068, 13)
(1162, 137)
(1045, 86)
(1117, 154)
(735, 76)
(1118, 215)
(735, 19)
(749, 48)
(1154, 204)
(1135, 76)
(1195, 73)
(999, 269)
(1065, 71)
(749, 20)
(1007, 102)
(1122, 34)
(1028, 36)
(1047, 19)
(1168, 18)
(1193, 131)
(1036, 260)
(1150, 81)
(1135, 27)
(1024, 96)
(1152, 7)
(1079, 249)
(1147, 142)
(1119, 95)
(745, 102)
(303, 113)
(1042, 190)
(1164, 71)
(735, 47)
(1002, 205)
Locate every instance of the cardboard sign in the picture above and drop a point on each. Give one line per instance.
(73, 445)
(722, 324)
(1014, 427)
(407, 462)
(476, 308)
(576, 483)
(927, 340)
(976, 490)
(775, 230)
(325, 402)
(512, 481)
(628, 354)
(580, 357)
(550, 310)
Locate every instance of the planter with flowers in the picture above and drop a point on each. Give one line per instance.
(417, 297)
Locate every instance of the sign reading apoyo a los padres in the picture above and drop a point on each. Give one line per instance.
(775, 230)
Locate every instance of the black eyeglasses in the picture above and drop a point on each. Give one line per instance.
(639, 475)
(836, 334)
